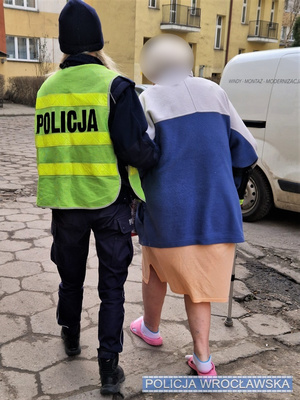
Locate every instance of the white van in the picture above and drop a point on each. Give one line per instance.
(264, 87)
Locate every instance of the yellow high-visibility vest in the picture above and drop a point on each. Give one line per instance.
(77, 166)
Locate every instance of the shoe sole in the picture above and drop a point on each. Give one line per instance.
(193, 366)
(136, 330)
(70, 353)
(75, 352)
(112, 389)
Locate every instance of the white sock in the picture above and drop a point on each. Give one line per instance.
(148, 333)
(202, 366)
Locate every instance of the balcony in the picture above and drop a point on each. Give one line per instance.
(263, 31)
(180, 18)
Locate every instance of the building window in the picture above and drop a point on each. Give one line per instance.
(152, 3)
(27, 4)
(286, 34)
(173, 11)
(272, 13)
(258, 18)
(286, 5)
(193, 7)
(218, 36)
(22, 49)
(201, 71)
(244, 12)
(216, 77)
(283, 34)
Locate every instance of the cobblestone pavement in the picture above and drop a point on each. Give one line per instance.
(32, 359)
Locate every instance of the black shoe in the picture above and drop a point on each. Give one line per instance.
(111, 374)
(71, 342)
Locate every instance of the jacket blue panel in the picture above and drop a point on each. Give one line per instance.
(191, 195)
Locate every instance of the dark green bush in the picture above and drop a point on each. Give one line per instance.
(1, 90)
(23, 89)
(296, 33)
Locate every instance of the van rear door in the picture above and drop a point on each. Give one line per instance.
(243, 79)
(281, 150)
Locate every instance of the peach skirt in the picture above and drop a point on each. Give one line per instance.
(201, 271)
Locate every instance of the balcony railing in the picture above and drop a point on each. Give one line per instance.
(263, 31)
(180, 18)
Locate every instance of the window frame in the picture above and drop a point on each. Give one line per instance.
(244, 12)
(25, 7)
(272, 14)
(218, 33)
(150, 4)
(258, 15)
(283, 33)
(193, 10)
(173, 11)
(286, 5)
(27, 42)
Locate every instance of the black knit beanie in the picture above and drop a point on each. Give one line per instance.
(79, 28)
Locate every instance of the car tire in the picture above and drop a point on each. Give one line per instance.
(258, 200)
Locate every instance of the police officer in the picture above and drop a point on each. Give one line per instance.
(90, 128)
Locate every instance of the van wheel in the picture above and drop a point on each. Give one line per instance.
(258, 199)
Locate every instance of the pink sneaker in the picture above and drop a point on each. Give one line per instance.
(190, 362)
(135, 328)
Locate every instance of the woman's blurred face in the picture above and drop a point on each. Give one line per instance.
(166, 59)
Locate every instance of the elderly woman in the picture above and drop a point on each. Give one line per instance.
(191, 219)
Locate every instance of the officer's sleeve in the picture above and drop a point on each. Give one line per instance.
(128, 125)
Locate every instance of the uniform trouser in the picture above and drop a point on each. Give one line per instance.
(71, 233)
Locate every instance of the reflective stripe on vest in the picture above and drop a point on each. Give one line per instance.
(135, 182)
(73, 100)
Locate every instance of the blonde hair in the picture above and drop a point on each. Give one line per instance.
(105, 59)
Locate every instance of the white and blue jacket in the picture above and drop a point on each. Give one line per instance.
(191, 194)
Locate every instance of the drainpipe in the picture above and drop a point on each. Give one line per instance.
(228, 32)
